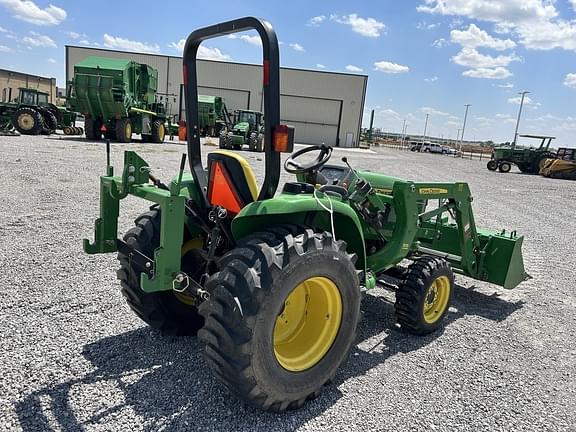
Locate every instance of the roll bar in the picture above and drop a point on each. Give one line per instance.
(271, 91)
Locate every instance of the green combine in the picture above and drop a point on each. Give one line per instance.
(213, 115)
(248, 130)
(117, 98)
(272, 283)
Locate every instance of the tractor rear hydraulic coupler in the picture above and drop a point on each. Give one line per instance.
(183, 283)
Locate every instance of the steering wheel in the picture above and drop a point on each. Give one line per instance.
(294, 167)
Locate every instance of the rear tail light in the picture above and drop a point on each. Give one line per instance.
(283, 139)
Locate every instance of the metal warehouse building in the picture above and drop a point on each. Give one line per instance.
(324, 107)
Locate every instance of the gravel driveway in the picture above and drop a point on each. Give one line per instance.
(72, 356)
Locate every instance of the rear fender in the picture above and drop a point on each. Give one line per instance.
(305, 210)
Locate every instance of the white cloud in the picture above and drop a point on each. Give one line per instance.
(129, 45)
(570, 80)
(297, 47)
(251, 39)
(5, 49)
(475, 37)
(51, 60)
(423, 25)
(75, 35)
(471, 58)
(536, 23)
(388, 67)
(84, 42)
(488, 73)
(517, 99)
(317, 20)
(439, 43)
(368, 27)
(3, 30)
(320, 66)
(352, 68)
(27, 10)
(433, 111)
(506, 86)
(573, 4)
(431, 79)
(38, 40)
(204, 52)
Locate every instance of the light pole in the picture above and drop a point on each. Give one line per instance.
(524, 93)
(425, 126)
(403, 132)
(464, 125)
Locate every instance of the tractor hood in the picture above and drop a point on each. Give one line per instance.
(241, 127)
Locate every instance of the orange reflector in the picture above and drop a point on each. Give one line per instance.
(283, 139)
(221, 190)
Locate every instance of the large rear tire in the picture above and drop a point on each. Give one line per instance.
(170, 312)
(504, 167)
(27, 121)
(92, 128)
(424, 296)
(282, 316)
(49, 122)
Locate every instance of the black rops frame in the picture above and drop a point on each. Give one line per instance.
(271, 90)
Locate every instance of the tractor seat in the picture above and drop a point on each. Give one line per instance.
(231, 181)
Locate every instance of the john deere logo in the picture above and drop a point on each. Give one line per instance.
(432, 191)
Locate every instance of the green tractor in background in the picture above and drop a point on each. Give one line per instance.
(117, 98)
(247, 130)
(32, 114)
(272, 283)
(528, 160)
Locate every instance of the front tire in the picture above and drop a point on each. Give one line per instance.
(492, 165)
(158, 131)
(170, 312)
(424, 296)
(123, 130)
(282, 317)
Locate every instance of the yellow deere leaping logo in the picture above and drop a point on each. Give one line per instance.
(432, 191)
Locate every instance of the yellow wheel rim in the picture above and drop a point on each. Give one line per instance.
(308, 324)
(128, 131)
(26, 121)
(436, 299)
(161, 132)
(195, 243)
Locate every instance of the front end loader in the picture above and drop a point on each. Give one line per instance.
(271, 283)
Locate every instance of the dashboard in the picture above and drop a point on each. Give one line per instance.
(336, 174)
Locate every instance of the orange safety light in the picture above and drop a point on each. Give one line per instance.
(221, 190)
(283, 139)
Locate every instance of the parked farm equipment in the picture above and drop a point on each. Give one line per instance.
(117, 98)
(213, 115)
(562, 166)
(32, 114)
(528, 160)
(272, 283)
(247, 130)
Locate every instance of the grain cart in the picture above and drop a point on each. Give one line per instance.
(117, 98)
(528, 160)
(271, 284)
(32, 114)
(248, 130)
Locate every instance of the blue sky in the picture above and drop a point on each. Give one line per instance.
(424, 56)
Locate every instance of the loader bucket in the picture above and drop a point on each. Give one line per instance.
(502, 262)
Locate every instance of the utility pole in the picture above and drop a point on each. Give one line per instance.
(458, 136)
(425, 126)
(464, 125)
(403, 132)
(524, 93)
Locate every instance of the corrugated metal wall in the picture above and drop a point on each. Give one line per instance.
(324, 107)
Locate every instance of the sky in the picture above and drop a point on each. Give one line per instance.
(422, 57)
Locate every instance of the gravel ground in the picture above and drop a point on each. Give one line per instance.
(72, 356)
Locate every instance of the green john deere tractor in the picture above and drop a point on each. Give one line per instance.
(32, 114)
(248, 130)
(271, 283)
(528, 160)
